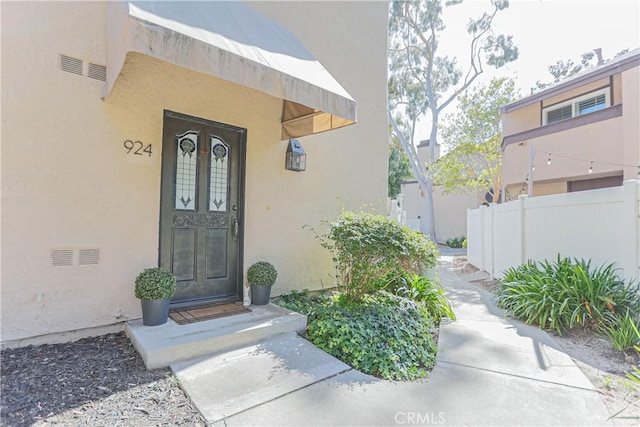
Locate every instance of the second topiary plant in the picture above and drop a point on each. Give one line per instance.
(261, 276)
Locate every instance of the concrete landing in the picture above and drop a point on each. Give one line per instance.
(229, 383)
(164, 345)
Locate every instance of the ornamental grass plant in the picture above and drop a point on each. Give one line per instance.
(567, 294)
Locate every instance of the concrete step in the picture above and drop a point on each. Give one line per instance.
(232, 382)
(164, 345)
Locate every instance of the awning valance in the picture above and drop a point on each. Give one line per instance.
(229, 40)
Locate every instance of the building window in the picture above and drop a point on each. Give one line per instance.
(584, 104)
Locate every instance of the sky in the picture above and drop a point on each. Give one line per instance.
(545, 32)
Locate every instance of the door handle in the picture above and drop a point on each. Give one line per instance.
(235, 228)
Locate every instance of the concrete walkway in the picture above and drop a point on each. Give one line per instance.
(491, 371)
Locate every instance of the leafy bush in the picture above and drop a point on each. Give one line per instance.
(371, 251)
(304, 302)
(429, 292)
(566, 294)
(383, 335)
(621, 331)
(464, 243)
(455, 242)
(155, 283)
(262, 273)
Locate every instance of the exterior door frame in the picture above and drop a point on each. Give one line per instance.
(240, 212)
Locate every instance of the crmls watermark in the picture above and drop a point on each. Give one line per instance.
(419, 418)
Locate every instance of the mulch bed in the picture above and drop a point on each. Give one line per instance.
(98, 381)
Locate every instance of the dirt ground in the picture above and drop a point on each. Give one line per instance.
(605, 367)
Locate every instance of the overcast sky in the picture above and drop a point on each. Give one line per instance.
(546, 31)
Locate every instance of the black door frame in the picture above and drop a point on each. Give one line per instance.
(240, 213)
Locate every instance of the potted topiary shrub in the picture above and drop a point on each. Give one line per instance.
(154, 288)
(261, 276)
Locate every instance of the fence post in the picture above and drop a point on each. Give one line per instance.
(631, 202)
(523, 227)
(483, 236)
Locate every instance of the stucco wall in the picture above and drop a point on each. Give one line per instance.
(571, 152)
(67, 181)
(610, 143)
(450, 209)
(599, 84)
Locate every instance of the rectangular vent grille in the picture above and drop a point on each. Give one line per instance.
(98, 72)
(89, 256)
(71, 65)
(75, 256)
(82, 68)
(61, 257)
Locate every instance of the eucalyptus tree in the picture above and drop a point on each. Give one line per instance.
(424, 81)
(473, 136)
(399, 168)
(564, 69)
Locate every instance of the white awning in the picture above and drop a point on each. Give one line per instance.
(229, 40)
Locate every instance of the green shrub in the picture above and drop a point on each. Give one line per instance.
(384, 335)
(155, 283)
(371, 251)
(456, 242)
(621, 331)
(566, 294)
(304, 303)
(262, 273)
(429, 292)
(464, 243)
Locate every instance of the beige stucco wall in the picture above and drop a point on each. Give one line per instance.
(530, 116)
(571, 153)
(539, 189)
(67, 181)
(610, 143)
(450, 209)
(631, 129)
(599, 84)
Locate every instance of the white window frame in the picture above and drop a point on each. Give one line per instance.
(574, 102)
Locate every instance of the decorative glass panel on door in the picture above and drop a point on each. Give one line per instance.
(186, 170)
(218, 175)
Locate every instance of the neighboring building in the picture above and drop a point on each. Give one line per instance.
(450, 209)
(585, 132)
(145, 133)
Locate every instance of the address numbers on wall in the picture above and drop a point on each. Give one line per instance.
(137, 148)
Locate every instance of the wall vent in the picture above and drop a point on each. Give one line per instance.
(75, 256)
(89, 256)
(71, 65)
(82, 68)
(61, 257)
(98, 72)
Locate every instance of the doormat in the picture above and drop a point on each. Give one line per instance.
(207, 312)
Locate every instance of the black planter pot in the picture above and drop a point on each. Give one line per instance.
(155, 312)
(260, 294)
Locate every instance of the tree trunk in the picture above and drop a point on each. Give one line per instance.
(427, 218)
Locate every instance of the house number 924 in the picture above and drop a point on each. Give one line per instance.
(137, 148)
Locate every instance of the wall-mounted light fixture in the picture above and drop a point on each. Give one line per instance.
(296, 157)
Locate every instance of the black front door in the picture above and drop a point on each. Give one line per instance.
(201, 208)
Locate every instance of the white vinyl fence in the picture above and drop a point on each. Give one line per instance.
(602, 225)
(395, 209)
